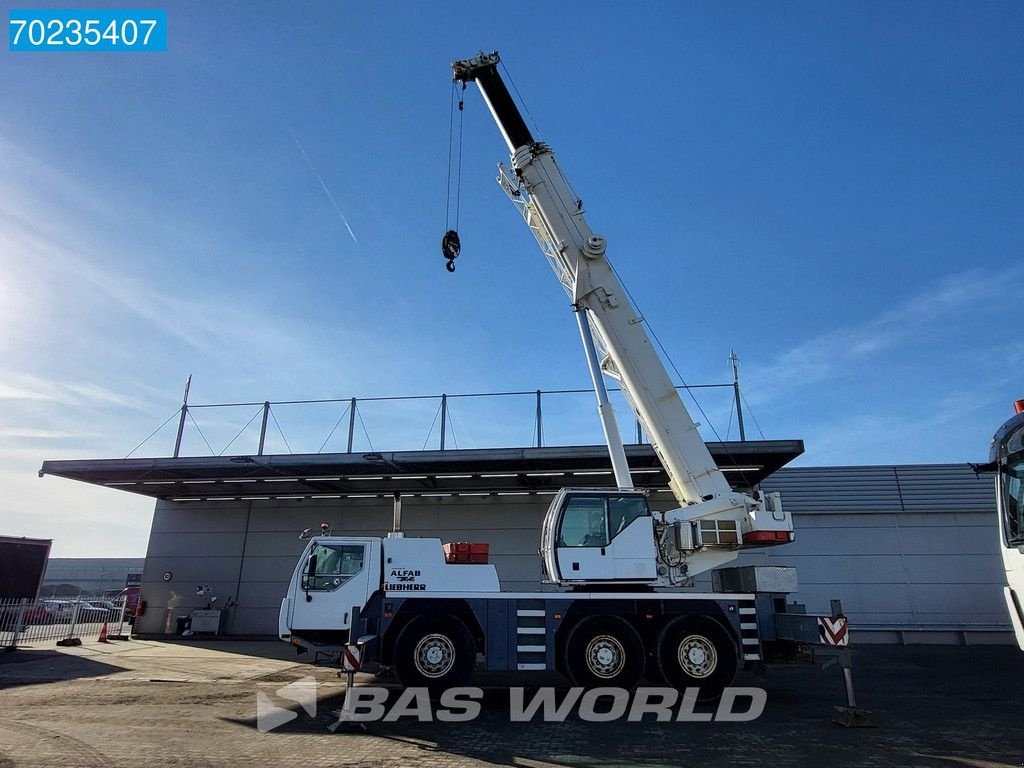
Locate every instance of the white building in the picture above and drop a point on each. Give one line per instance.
(912, 551)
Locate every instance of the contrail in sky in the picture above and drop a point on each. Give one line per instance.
(324, 187)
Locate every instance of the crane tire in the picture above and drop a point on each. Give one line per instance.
(604, 651)
(434, 652)
(696, 652)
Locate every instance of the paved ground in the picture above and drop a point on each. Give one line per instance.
(146, 703)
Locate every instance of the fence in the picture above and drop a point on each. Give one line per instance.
(27, 622)
(500, 419)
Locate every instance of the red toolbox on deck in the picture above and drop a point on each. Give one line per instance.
(465, 552)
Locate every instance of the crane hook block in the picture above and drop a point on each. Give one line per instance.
(450, 248)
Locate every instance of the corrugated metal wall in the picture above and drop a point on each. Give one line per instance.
(911, 550)
(931, 488)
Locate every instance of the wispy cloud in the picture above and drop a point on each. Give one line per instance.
(32, 433)
(207, 324)
(12, 392)
(64, 254)
(836, 352)
(930, 373)
(862, 436)
(25, 386)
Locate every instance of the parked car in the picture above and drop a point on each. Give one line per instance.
(106, 610)
(33, 613)
(48, 611)
(92, 614)
(55, 612)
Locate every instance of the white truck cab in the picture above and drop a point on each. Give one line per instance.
(339, 573)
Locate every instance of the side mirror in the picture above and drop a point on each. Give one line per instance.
(310, 575)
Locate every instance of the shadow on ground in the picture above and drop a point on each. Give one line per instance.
(263, 648)
(931, 706)
(33, 666)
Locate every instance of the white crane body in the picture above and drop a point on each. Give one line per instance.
(615, 608)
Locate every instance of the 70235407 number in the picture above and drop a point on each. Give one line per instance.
(82, 30)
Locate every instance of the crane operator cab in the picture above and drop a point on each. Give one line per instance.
(592, 535)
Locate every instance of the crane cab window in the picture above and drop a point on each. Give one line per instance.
(593, 521)
(624, 510)
(335, 564)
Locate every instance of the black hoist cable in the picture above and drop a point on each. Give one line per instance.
(451, 245)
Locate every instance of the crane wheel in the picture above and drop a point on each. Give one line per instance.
(696, 652)
(604, 651)
(434, 652)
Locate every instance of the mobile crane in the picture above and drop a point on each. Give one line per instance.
(621, 613)
(1006, 459)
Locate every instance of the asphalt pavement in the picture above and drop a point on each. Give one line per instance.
(202, 704)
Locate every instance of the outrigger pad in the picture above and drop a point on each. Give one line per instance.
(854, 717)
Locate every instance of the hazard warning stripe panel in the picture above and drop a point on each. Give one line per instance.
(351, 657)
(833, 631)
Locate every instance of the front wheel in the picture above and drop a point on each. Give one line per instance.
(697, 652)
(605, 651)
(434, 652)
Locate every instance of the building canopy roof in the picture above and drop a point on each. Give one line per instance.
(478, 471)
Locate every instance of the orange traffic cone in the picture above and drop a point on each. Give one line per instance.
(103, 633)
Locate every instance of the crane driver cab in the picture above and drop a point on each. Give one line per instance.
(594, 535)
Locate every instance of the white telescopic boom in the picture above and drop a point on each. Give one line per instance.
(578, 258)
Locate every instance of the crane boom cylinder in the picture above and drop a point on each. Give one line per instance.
(612, 436)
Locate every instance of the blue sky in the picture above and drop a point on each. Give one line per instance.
(834, 190)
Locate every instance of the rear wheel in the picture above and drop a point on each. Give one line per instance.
(696, 652)
(604, 651)
(434, 652)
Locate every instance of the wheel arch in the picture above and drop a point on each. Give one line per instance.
(613, 632)
(433, 607)
(647, 616)
(723, 655)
